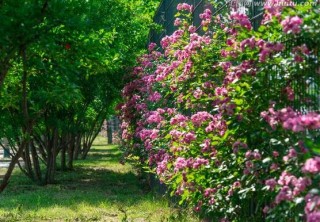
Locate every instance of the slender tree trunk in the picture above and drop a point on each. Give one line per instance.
(85, 151)
(89, 144)
(41, 144)
(27, 162)
(36, 164)
(109, 132)
(12, 164)
(63, 158)
(77, 148)
(71, 152)
(51, 163)
(54, 155)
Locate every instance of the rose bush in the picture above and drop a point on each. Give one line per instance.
(222, 118)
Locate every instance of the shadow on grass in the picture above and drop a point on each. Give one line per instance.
(102, 144)
(104, 151)
(112, 155)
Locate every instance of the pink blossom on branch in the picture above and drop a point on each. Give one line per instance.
(312, 165)
(206, 17)
(152, 46)
(273, 8)
(184, 7)
(300, 52)
(154, 117)
(200, 117)
(189, 137)
(292, 25)
(178, 119)
(192, 29)
(206, 14)
(291, 120)
(180, 163)
(241, 19)
(177, 22)
(271, 183)
(313, 217)
(290, 93)
(154, 97)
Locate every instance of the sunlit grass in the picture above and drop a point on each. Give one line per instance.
(99, 189)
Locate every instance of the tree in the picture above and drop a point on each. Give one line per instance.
(61, 68)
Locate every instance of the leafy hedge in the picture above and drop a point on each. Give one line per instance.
(221, 117)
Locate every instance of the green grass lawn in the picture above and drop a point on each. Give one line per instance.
(99, 189)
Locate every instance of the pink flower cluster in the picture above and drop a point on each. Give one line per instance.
(235, 73)
(291, 186)
(218, 124)
(183, 137)
(237, 145)
(179, 119)
(154, 117)
(198, 93)
(312, 165)
(154, 97)
(177, 22)
(206, 17)
(184, 7)
(149, 134)
(152, 46)
(200, 117)
(162, 159)
(169, 40)
(312, 208)
(291, 120)
(289, 92)
(182, 163)
(241, 19)
(313, 217)
(250, 42)
(300, 52)
(274, 8)
(292, 153)
(271, 183)
(207, 14)
(268, 48)
(292, 25)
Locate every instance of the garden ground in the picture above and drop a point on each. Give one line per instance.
(99, 189)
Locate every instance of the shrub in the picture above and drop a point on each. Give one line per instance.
(219, 117)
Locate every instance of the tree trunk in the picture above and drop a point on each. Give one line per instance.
(71, 152)
(27, 162)
(41, 147)
(109, 132)
(36, 164)
(88, 145)
(12, 164)
(77, 148)
(63, 158)
(51, 163)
